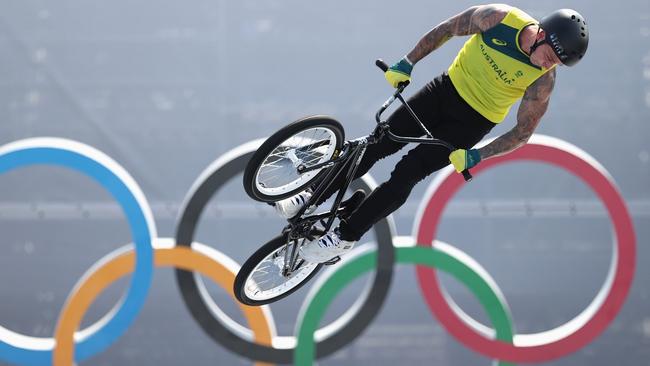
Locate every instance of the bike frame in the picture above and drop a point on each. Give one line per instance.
(347, 163)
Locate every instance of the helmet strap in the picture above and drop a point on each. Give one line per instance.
(537, 43)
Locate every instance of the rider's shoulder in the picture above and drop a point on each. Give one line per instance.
(498, 7)
(489, 15)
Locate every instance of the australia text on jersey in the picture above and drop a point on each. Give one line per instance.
(502, 73)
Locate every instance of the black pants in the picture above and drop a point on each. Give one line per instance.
(448, 117)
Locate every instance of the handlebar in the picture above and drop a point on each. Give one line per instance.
(467, 175)
(381, 64)
(398, 95)
(384, 67)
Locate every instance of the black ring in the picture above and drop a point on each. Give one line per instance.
(208, 183)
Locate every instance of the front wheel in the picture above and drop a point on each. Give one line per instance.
(272, 173)
(260, 280)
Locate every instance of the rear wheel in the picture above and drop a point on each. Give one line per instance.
(260, 280)
(272, 173)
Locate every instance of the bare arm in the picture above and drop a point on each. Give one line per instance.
(473, 20)
(532, 108)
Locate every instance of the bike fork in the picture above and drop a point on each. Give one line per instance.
(290, 256)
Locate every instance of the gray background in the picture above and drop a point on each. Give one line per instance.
(165, 87)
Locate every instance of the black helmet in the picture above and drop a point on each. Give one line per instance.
(567, 34)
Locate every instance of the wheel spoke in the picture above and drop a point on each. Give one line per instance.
(267, 282)
(278, 172)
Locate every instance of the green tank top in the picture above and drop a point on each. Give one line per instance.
(491, 72)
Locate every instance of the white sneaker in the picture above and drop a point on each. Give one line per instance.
(325, 248)
(289, 207)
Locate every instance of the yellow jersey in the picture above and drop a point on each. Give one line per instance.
(491, 72)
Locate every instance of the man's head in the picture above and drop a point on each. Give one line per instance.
(562, 39)
(542, 54)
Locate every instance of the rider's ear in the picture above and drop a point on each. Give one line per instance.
(541, 35)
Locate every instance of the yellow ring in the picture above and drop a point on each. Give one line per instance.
(96, 282)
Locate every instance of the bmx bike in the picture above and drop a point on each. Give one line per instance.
(310, 153)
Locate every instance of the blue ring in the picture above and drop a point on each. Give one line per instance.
(134, 300)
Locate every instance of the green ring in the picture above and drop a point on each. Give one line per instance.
(431, 257)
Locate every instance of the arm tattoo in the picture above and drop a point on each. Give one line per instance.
(532, 108)
(473, 20)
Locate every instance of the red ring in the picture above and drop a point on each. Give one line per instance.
(574, 160)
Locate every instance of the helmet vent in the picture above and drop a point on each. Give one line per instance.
(584, 35)
(573, 16)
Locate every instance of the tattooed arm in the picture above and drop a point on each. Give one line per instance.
(532, 108)
(473, 20)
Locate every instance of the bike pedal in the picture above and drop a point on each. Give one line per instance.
(332, 261)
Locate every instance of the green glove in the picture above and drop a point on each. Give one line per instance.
(399, 72)
(464, 159)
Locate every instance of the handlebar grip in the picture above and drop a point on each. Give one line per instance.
(467, 175)
(384, 67)
(401, 86)
(381, 64)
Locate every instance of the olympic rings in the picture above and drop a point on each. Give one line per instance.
(120, 263)
(207, 314)
(20, 349)
(188, 256)
(595, 318)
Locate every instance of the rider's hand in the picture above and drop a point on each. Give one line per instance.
(399, 72)
(464, 159)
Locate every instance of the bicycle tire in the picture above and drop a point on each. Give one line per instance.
(274, 143)
(247, 269)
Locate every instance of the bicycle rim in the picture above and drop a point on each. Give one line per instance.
(278, 172)
(266, 281)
